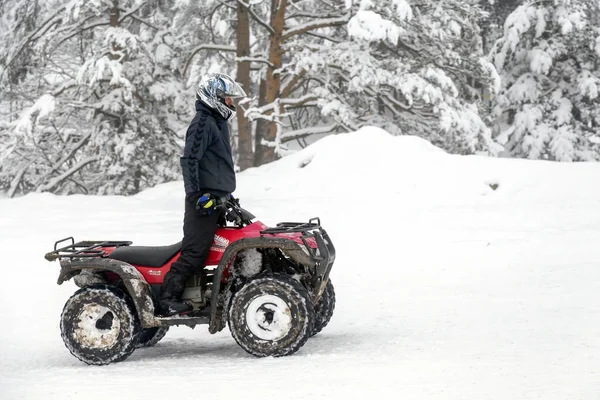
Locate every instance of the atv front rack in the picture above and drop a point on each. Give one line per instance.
(288, 227)
(86, 248)
(323, 255)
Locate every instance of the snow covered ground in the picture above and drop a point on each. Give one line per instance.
(447, 289)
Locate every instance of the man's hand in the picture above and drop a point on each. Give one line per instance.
(206, 203)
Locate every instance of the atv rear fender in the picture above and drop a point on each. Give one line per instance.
(133, 280)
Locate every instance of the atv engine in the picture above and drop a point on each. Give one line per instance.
(197, 292)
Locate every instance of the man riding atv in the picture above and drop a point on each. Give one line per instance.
(269, 285)
(209, 180)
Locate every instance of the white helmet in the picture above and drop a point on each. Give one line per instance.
(214, 88)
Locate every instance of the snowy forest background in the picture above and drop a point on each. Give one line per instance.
(97, 94)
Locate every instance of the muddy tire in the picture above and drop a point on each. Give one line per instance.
(99, 326)
(324, 308)
(150, 336)
(271, 316)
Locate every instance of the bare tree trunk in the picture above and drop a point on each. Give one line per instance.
(265, 154)
(114, 14)
(245, 151)
(262, 125)
(15, 183)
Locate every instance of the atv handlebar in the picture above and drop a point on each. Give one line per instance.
(236, 214)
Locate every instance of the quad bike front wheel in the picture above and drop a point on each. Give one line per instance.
(151, 336)
(98, 325)
(271, 316)
(324, 308)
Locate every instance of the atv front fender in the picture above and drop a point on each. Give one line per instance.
(136, 285)
(220, 297)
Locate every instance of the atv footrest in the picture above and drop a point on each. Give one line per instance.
(183, 320)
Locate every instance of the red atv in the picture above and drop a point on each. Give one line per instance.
(270, 284)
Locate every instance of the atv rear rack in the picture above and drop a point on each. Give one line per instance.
(86, 248)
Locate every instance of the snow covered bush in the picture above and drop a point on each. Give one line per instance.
(549, 58)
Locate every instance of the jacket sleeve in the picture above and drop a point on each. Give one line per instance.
(198, 138)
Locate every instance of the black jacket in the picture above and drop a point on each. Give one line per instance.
(207, 162)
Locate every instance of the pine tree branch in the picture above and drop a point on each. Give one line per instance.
(398, 104)
(77, 32)
(66, 157)
(96, 108)
(325, 37)
(56, 181)
(289, 103)
(135, 17)
(376, 94)
(131, 14)
(79, 23)
(228, 5)
(316, 24)
(302, 133)
(306, 14)
(306, 104)
(265, 112)
(292, 84)
(63, 87)
(254, 59)
(218, 47)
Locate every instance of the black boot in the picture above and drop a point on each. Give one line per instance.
(172, 306)
(170, 296)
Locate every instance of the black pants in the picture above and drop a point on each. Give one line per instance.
(198, 235)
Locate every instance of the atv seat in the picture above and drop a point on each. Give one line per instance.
(145, 256)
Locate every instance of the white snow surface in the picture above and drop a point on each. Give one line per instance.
(446, 288)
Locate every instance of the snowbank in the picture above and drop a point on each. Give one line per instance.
(370, 163)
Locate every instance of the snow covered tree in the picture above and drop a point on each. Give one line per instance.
(493, 23)
(549, 58)
(413, 67)
(105, 112)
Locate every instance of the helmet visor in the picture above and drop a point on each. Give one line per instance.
(231, 89)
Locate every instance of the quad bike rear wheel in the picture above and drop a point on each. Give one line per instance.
(151, 336)
(271, 316)
(324, 308)
(99, 326)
